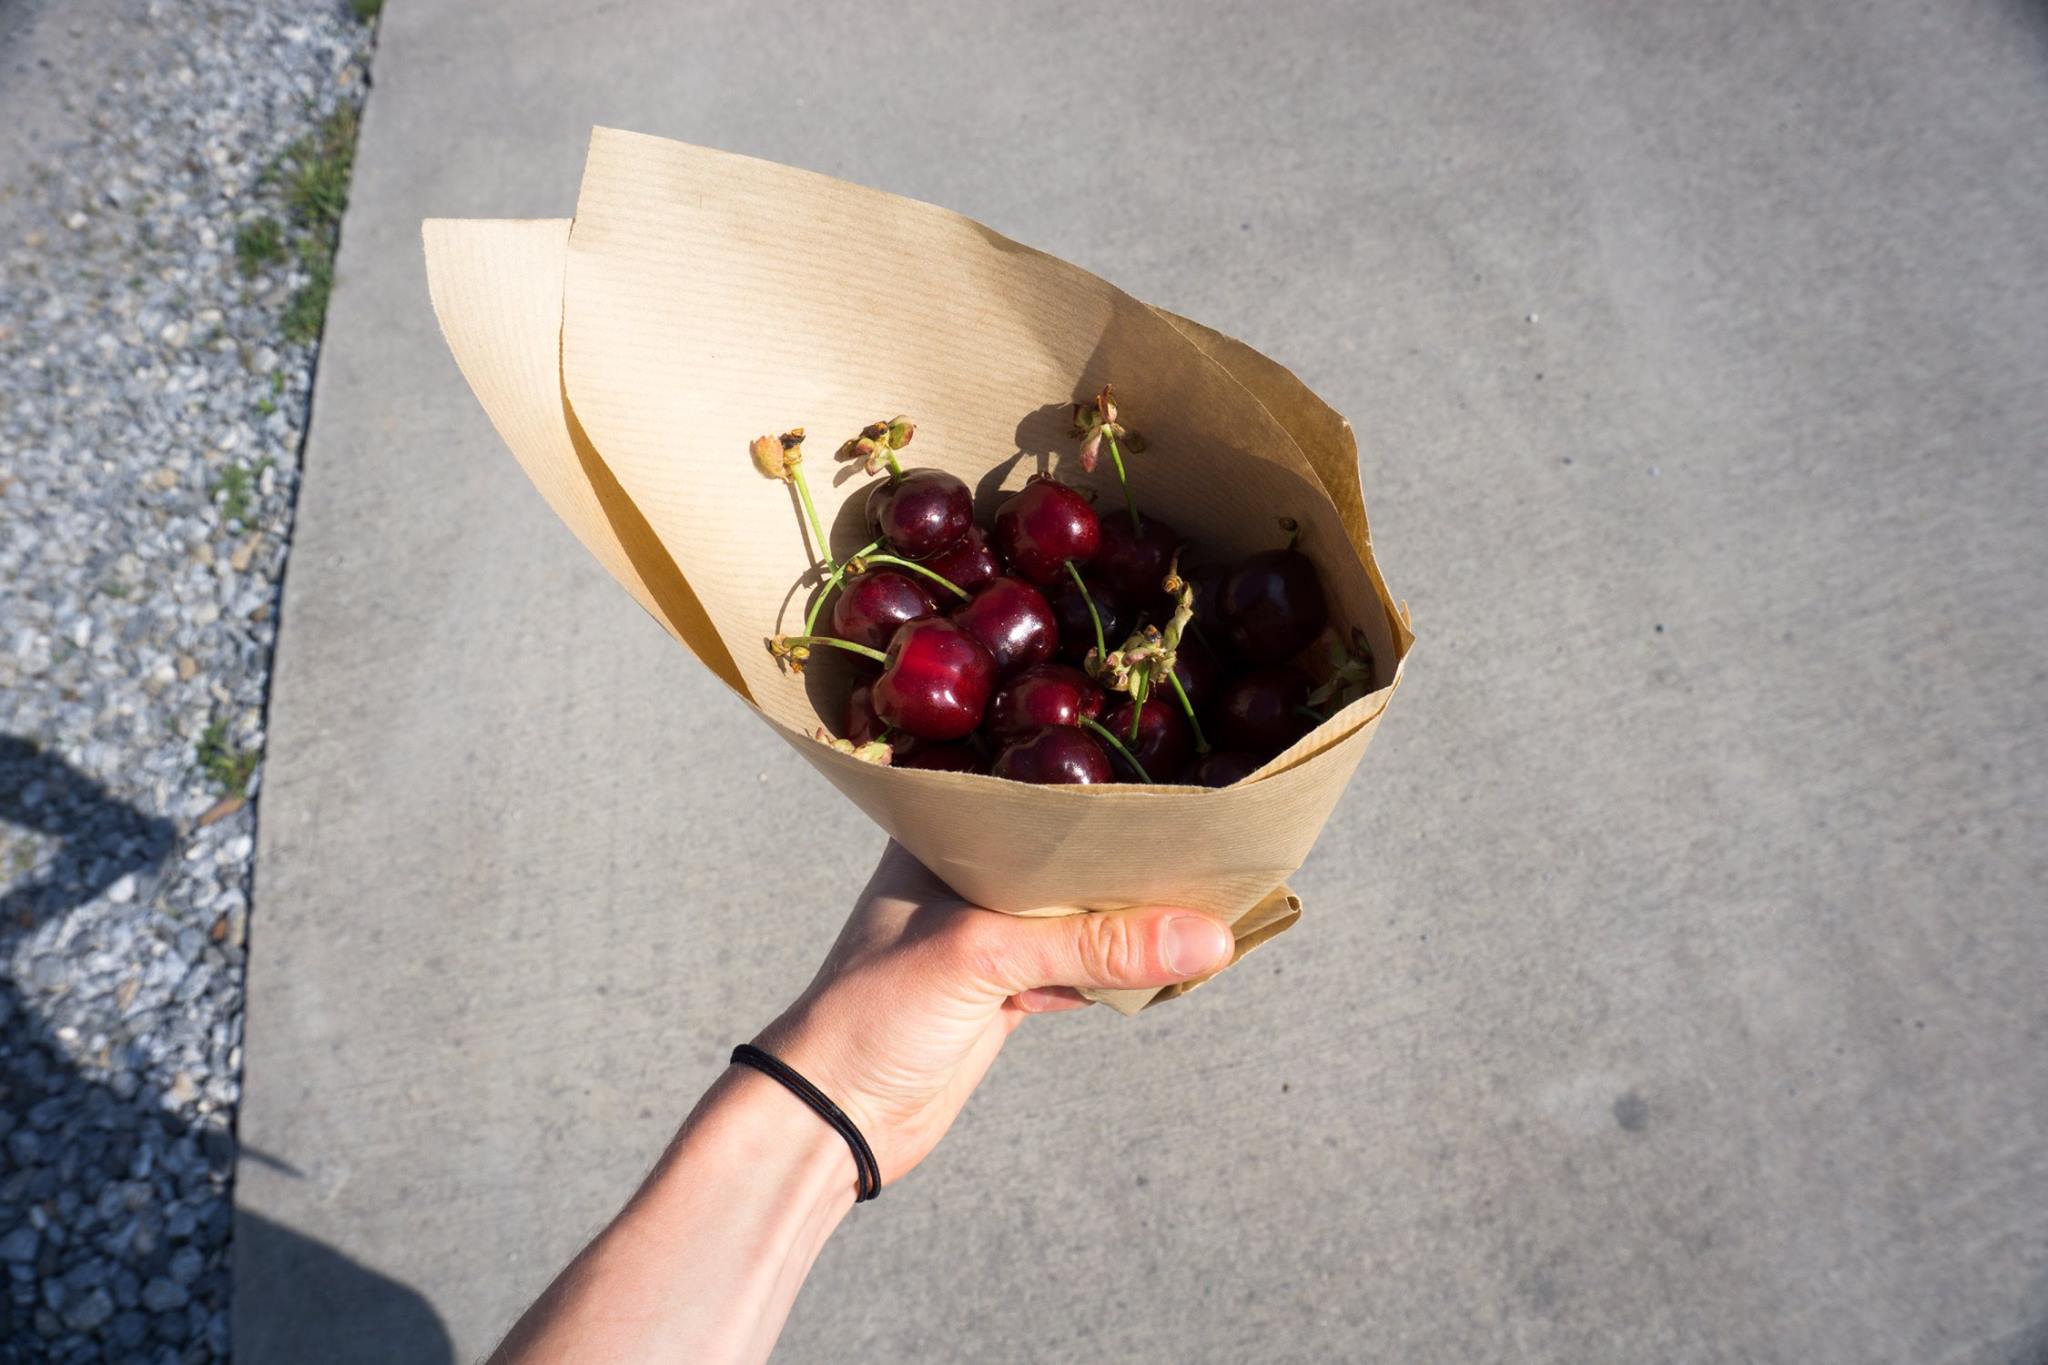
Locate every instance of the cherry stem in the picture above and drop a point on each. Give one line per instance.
(794, 641)
(838, 576)
(948, 584)
(1141, 689)
(1088, 600)
(1102, 733)
(803, 492)
(895, 469)
(1116, 457)
(1313, 714)
(1201, 740)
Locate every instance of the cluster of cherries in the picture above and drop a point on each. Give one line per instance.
(1056, 645)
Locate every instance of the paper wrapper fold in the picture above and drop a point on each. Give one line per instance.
(700, 299)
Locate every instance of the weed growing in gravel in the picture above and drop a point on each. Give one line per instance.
(234, 486)
(315, 171)
(229, 767)
(259, 244)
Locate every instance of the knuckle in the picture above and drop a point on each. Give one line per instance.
(1118, 948)
(974, 948)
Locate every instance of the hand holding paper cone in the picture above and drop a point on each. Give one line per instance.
(699, 299)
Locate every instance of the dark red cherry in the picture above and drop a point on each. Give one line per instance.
(945, 758)
(935, 680)
(921, 513)
(1058, 754)
(969, 562)
(1258, 714)
(1013, 621)
(862, 724)
(1049, 694)
(1135, 562)
(1221, 767)
(1201, 677)
(870, 607)
(1043, 525)
(1271, 606)
(1077, 632)
(1164, 744)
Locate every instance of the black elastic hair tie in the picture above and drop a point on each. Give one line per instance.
(868, 1176)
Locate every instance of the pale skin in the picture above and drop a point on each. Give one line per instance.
(901, 1023)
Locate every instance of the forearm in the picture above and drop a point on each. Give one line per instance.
(706, 1260)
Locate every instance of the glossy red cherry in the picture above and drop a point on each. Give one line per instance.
(1272, 606)
(935, 680)
(1221, 767)
(1258, 712)
(1049, 694)
(870, 608)
(969, 562)
(1014, 623)
(945, 758)
(1043, 525)
(1058, 754)
(1077, 632)
(921, 512)
(1134, 562)
(1165, 741)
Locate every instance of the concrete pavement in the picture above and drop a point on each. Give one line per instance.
(1672, 985)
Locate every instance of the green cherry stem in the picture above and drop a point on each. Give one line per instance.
(1313, 714)
(1102, 733)
(1140, 689)
(1095, 617)
(837, 577)
(1201, 740)
(948, 584)
(795, 641)
(803, 492)
(1116, 457)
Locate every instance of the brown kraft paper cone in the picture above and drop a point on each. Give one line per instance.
(700, 299)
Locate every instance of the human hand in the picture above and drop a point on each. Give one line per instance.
(919, 993)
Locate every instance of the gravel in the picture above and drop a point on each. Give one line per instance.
(150, 425)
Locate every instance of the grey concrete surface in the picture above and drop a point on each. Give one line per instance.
(1674, 984)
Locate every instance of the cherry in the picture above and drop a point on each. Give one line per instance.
(1043, 525)
(862, 724)
(944, 758)
(1221, 767)
(969, 562)
(1134, 561)
(1258, 711)
(1201, 677)
(870, 608)
(1272, 606)
(1077, 631)
(935, 680)
(921, 512)
(1165, 741)
(1058, 754)
(1014, 623)
(1047, 694)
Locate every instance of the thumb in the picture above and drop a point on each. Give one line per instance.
(1111, 949)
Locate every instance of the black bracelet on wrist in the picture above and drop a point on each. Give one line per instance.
(868, 1176)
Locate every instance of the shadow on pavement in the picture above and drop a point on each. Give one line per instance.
(140, 1280)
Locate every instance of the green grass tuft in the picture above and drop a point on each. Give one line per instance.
(259, 244)
(229, 767)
